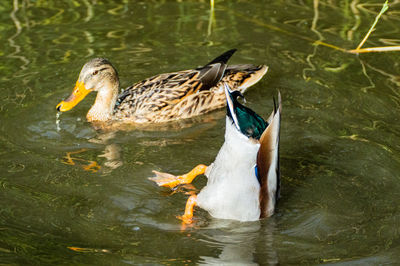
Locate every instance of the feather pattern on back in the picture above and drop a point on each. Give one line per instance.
(185, 93)
(161, 98)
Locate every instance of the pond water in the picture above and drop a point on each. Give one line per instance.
(73, 195)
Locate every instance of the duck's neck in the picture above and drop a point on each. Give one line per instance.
(103, 107)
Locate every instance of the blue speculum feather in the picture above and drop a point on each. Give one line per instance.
(251, 124)
(256, 173)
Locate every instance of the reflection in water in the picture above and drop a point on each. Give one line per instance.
(89, 12)
(392, 78)
(340, 152)
(11, 40)
(211, 19)
(240, 242)
(109, 139)
(357, 20)
(58, 128)
(320, 39)
(112, 153)
(370, 81)
(91, 166)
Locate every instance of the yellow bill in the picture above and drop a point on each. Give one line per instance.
(77, 95)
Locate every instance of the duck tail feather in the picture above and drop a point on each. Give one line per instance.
(268, 162)
(223, 58)
(212, 73)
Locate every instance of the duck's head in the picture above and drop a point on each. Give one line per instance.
(96, 75)
(245, 120)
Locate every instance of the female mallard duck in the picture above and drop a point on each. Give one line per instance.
(244, 180)
(161, 98)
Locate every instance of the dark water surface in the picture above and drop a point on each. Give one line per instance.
(340, 148)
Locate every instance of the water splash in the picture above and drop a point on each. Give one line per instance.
(58, 121)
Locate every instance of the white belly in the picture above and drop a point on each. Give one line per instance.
(231, 200)
(232, 190)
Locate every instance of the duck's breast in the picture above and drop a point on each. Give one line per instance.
(232, 190)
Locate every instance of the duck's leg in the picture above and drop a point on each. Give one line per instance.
(188, 215)
(171, 181)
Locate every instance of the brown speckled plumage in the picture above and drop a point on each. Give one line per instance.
(182, 94)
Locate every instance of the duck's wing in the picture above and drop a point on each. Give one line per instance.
(158, 92)
(211, 74)
(268, 162)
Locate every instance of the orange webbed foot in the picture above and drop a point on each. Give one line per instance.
(186, 219)
(165, 179)
(171, 181)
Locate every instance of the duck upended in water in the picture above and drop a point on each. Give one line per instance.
(244, 180)
(161, 98)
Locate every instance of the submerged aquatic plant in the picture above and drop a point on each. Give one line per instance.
(322, 43)
(385, 7)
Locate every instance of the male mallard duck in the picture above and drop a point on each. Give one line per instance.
(161, 98)
(244, 180)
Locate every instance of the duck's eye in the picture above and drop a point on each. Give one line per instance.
(95, 72)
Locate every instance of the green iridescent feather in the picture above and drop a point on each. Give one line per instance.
(247, 121)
